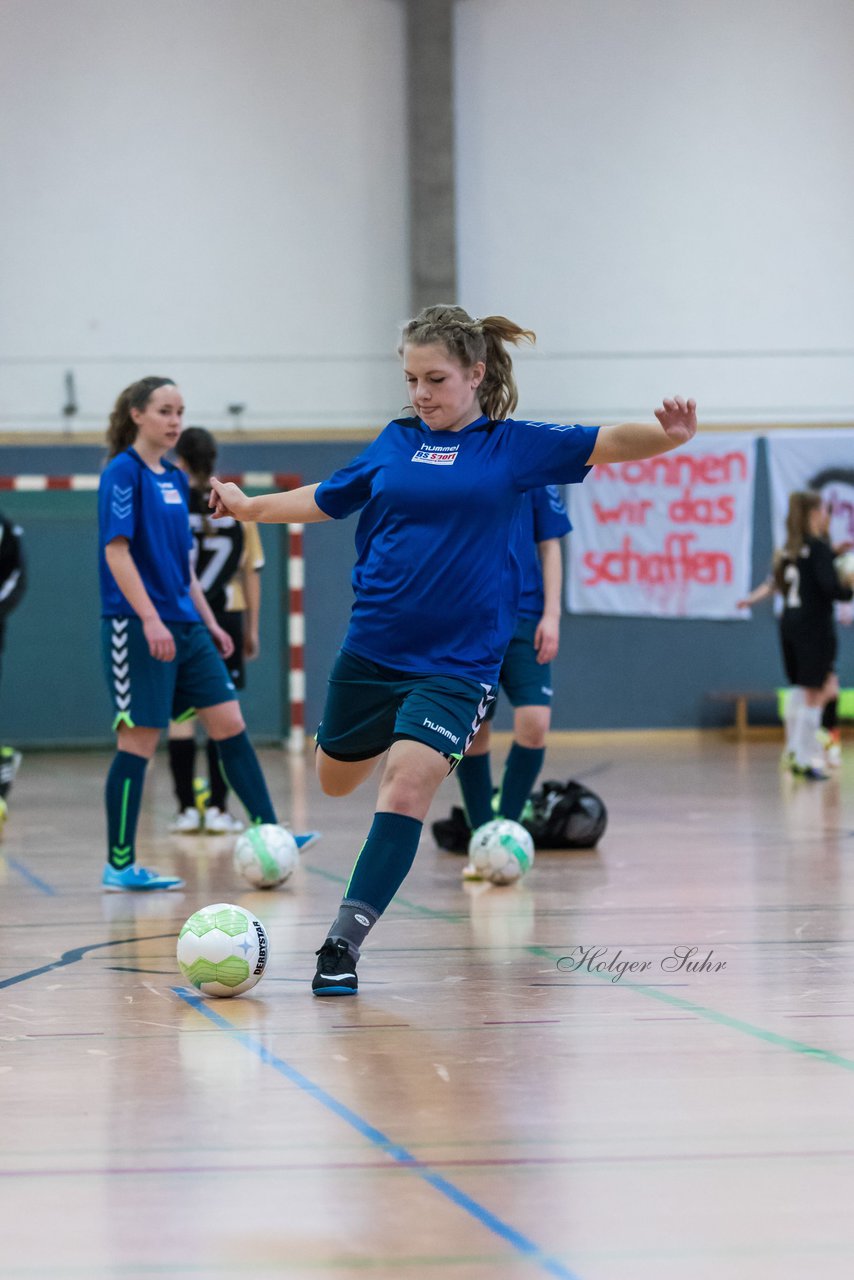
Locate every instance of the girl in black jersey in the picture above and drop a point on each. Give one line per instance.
(218, 556)
(806, 577)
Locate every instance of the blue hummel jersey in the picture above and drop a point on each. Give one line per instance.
(437, 579)
(151, 510)
(543, 516)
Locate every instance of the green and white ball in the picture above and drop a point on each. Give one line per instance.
(223, 950)
(266, 855)
(501, 851)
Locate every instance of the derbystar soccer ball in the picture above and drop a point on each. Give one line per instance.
(266, 855)
(222, 950)
(501, 851)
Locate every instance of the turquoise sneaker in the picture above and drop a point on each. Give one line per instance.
(305, 840)
(136, 878)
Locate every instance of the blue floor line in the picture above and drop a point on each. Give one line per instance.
(478, 1211)
(33, 879)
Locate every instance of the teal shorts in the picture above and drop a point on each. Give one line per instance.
(526, 682)
(368, 707)
(148, 693)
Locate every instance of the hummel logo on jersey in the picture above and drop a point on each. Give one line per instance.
(437, 455)
(122, 502)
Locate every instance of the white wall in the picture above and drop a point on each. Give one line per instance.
(664, 190)
(216, 189)
(210, 189)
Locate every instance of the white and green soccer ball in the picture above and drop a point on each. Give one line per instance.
(266, 855)
(223, 950)
(501, 851)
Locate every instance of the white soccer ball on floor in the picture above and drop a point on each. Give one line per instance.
(501, 851)
(222, 950)
(266, 855)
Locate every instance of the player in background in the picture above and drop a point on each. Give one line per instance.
(13, 584)
(436, 583)
(227, 558)
(161, 641)
(805, 576)
(525, 674)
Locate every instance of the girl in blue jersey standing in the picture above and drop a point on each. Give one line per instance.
(525, 674)
(436, 583)
(163, 648)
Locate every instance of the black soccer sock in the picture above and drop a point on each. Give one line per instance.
(830, 715)
(218, 785)
(243, 774)
(182, 763)
(123, 795)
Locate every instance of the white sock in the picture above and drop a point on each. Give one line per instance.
(794, 702)
(809, 718)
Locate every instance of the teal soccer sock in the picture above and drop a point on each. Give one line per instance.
(123, 795)
(520, 773)
(242, 773)
(475, 775)
(384, 861)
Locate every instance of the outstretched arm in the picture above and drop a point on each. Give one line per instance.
(632, 441)
(295, 506)
(762, 592)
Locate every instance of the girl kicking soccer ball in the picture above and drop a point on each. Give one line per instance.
(436, 583)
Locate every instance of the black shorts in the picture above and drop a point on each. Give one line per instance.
(233, 624)
(808, 659)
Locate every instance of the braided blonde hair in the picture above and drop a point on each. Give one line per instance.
(468, 341)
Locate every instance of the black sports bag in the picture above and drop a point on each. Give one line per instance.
(560, 815)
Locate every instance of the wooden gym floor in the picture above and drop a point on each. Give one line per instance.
(481, 1111)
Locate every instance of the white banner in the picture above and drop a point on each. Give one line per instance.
(669, 537)
(821, 460)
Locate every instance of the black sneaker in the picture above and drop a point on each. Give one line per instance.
(336, 970)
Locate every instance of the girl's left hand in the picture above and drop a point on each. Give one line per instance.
(678, 417)
(546, 639)
(251, 646)
(223, 642)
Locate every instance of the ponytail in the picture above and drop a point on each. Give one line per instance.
(469, 341)
(197, 448)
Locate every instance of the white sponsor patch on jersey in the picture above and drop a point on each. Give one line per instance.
(170, 493)
(440, 455)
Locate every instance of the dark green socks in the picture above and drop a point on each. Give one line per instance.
(123, 795)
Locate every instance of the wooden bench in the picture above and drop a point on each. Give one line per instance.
(740, 699)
